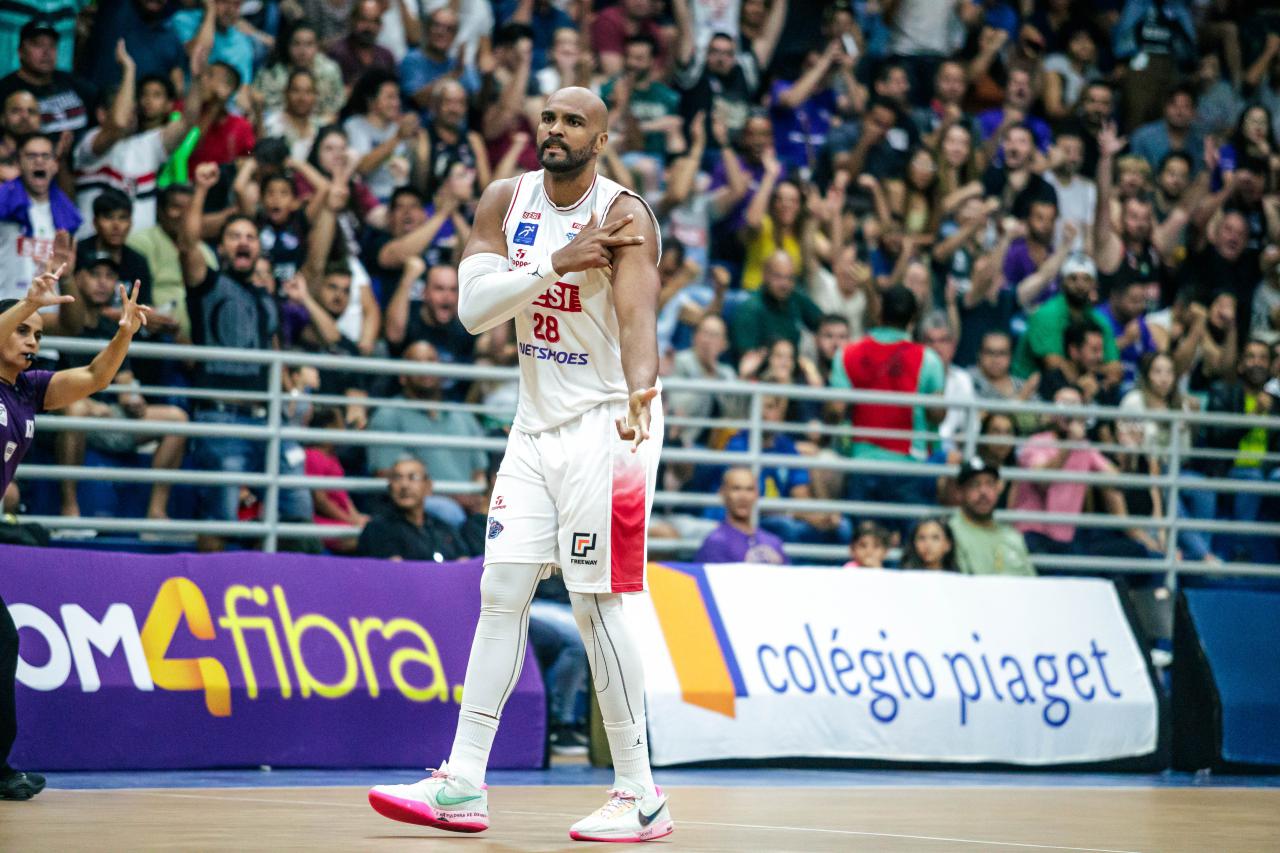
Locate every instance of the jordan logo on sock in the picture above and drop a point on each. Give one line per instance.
(639, 741)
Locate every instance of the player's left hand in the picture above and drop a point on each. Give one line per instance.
(635, 426)
(132, 315)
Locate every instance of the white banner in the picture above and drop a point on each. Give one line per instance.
(749, 661)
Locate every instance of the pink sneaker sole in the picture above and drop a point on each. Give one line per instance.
(652, 833)
(421, 814)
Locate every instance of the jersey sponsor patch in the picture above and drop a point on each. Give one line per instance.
(10, 447)
(559, 356)
(4, 415)
(526, 233)
(531, 216)
(495, 527)
(561, 296)
(581, 547)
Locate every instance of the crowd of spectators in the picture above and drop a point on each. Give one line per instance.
(1072, 202)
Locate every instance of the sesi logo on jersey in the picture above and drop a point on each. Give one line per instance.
(526, 233)
(531, 215)
(561, 296)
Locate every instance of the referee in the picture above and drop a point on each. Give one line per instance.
(23, 394)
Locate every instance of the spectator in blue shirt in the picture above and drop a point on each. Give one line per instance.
(423, 67)
(543, 17)
(147, 36)
(802, 110)
(230, 44)
(1018, 96)
(1174, 132)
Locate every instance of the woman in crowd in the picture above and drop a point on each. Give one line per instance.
(379, 131)
(930, 546)
(298, 120)
(299, 50)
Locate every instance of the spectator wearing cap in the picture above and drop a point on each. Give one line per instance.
(1041, 349)
(98, 280)
(738, 539)
(144, 26)
(66, 100)
(112, 222)
(58, 17)
(888, 360)
(984, 546)
(405, 531)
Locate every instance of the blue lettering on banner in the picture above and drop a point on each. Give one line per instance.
(559, 356)
(894, 679)
(526, 233)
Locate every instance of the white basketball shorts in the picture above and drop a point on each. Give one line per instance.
(576, 496)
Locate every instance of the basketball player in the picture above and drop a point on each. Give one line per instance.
(23, 394)
(573, 257)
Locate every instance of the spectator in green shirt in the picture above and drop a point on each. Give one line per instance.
(1041, 348)
(776, 311)
(984, 546)
(648, 110)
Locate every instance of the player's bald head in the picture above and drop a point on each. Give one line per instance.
(584, 102)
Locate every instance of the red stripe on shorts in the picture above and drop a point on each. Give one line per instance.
(626, 527)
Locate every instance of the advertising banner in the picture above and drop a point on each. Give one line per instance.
(243, 659)
(772, 662)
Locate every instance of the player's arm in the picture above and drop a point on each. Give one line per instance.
(489, 291)
(68, 386)
(635, 293)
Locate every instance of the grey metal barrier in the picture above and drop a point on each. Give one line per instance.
(274, 430)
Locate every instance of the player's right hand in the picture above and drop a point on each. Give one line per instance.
(593, 247)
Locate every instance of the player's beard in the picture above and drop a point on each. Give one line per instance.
(573, 160)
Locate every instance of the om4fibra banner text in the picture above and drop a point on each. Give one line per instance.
(771, 662)
(242, 659)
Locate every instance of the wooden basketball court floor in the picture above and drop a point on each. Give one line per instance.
(770, 810)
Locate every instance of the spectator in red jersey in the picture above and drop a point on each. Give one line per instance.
(887, 360)
(226, 137)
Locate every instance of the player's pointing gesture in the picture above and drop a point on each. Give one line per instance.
(591, 249)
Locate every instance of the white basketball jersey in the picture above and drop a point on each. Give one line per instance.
(570, 360)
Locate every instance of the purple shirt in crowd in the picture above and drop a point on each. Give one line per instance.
(1018, 265)
(19, 404)
(728, 544)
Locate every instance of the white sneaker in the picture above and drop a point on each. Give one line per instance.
(627, 816)
(441, 800)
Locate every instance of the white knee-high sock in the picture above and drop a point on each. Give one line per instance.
(497, 655)
(618, 674)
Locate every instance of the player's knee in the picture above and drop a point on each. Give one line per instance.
(597, 607)
(506, 589)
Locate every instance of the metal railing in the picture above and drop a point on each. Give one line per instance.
(275, 430)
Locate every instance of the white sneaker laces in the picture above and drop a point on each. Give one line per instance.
(619, 801)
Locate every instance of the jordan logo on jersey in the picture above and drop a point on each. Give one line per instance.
(561, 297)
(526, 233)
